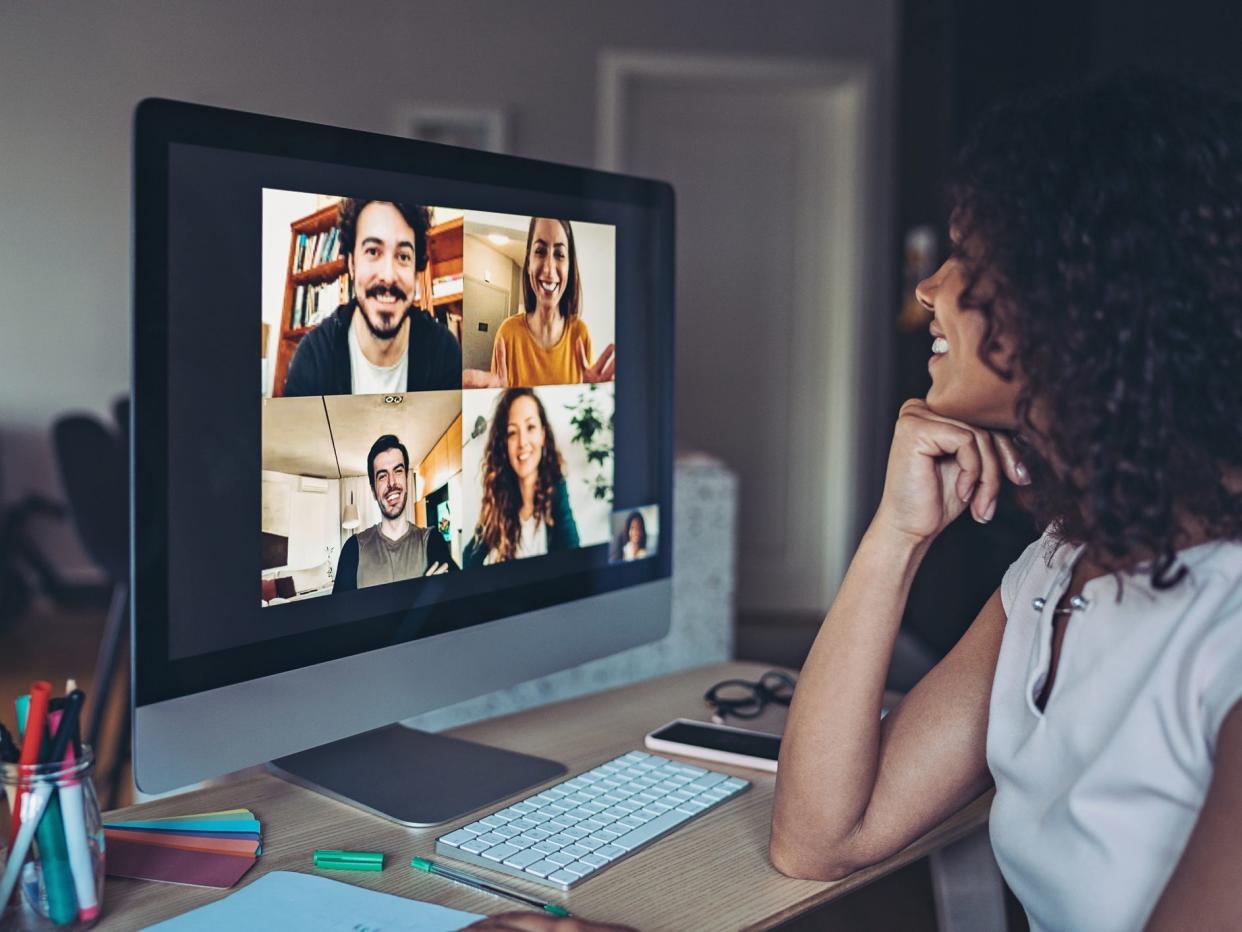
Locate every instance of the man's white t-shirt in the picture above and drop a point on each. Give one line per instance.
(1097, 794)
(368, 379)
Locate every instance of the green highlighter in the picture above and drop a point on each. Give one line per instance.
(470, 880)
(349, 860)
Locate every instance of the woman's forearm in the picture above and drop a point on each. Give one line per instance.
(829, 756)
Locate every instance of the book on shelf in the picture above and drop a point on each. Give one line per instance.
(315, 249)
(446, 285)
(312, 303)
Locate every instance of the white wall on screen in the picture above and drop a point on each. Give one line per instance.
(280, 208)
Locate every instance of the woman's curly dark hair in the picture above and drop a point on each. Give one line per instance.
(1102, 233)
(500, 528)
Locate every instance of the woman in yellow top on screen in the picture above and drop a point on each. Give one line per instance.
(549, 344)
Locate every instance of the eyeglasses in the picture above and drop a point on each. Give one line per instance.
(744, 699)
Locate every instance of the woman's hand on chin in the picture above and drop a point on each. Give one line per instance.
(939, 467)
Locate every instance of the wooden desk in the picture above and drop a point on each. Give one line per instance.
(711, 874)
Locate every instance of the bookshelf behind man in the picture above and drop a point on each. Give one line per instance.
(316, 281)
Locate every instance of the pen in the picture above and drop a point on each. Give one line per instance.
(73, 811)
(58, 883)
(32, 741)
(469, 880)
(17, 853)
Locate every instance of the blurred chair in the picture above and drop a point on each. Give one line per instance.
(94, 469)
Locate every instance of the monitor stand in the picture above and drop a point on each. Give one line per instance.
(415, 777)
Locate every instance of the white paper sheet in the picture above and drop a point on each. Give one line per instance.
(286, 900)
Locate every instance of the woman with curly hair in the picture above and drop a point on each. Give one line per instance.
(526, 509)
(1087, 346)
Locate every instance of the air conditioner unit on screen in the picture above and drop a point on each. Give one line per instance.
(312, 484)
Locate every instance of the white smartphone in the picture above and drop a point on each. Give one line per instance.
(720, 743)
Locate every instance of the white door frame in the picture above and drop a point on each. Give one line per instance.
(848, 98)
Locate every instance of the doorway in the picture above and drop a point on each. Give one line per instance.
(770, 163)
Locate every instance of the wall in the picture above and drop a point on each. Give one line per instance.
(485, 267)
(74, 72)
(311, 520)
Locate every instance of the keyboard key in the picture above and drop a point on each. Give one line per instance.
(500, 852)
(563, 876)
(524, 841)
(578, 869)
(524, 859)
(523, 824)
(560, 858)
(611, 852)
(541, 868)
(524, 807)
(493, 821)
(475, 846)
(574, 851)
(476, 828)
(539, 834)
(561, 840)
(545, 847)
(491, 838)
(707, 781)
(459, 837)
(691, 807)
(575, 833)
(593, 860)
(640, 836)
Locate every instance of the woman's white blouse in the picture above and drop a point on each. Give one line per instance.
(1097, 794)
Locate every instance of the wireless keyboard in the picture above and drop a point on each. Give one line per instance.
(571, 831)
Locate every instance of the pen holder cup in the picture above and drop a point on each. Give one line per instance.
(59, 884)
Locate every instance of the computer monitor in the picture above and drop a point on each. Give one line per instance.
(448, 471)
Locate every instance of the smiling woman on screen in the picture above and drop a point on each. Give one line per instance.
(526, 510)
(550, 344)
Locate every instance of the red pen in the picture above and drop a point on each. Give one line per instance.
(32, 742)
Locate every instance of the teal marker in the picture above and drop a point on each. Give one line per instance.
(349, 860)
(469, 880)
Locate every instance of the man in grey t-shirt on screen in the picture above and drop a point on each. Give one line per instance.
(393, 549)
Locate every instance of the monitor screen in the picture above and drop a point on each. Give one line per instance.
(462, 410)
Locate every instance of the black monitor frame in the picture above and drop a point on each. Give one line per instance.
(159, 124)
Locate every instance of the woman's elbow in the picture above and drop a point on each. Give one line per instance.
(806, 862)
